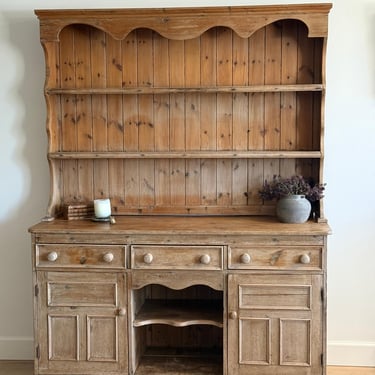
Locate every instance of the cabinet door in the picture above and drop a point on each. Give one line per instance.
(275, 324)
(81, 322)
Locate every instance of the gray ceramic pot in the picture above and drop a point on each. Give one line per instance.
(293, 209)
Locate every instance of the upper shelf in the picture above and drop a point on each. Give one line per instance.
(171, 90)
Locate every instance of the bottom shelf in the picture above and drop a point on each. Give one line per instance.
(180, 364)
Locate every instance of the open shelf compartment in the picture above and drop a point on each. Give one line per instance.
(177, 331)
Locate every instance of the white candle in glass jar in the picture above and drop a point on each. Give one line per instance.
(102, 208)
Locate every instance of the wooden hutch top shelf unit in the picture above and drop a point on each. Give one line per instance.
(183, 111)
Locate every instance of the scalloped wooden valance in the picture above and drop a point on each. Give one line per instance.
(184, 23)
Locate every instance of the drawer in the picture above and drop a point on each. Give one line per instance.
(177, 257)
(81, 256)
(301, 257)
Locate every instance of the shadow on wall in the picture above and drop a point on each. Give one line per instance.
(24, 169)
(371, 43)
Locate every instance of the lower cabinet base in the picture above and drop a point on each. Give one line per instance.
(232, 304)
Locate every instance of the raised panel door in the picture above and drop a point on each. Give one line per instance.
(274, 324)
(82, 324)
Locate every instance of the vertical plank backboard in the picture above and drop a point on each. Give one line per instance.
(318, 115)
(84, 108)
(306, 74)
(161, 120)
(145, 118)
(289, 66)
(99, 111)
(115, 121)
(288, 108)
(272, 100)
(304, 100)
(67, 70)
(68, 120)
(240, 51)
(208, 117)
(177, 120)
(53, 79)
(129, 80)
(192, 119)
(272, 76)
(224, 115)
(240, 75)
(256, 100)
(130, 115)
(257, 131)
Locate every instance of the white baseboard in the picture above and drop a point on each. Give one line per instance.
(351, 353)
(16, 348)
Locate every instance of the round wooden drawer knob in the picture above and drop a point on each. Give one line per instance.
(245, 258)
(108, 257)
(121, 312)
(148, 258)
(233, 315)
(305, 259)
(205, 259)
(52, 256)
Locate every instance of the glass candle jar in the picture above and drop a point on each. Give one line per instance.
(102, 208)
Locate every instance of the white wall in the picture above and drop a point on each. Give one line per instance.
(349, 172)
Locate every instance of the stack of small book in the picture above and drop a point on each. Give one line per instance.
(78, 211)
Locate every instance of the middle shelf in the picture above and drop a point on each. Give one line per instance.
(203, 154)
(180, 313)
(183, 90)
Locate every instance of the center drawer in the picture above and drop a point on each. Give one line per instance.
(180, 257)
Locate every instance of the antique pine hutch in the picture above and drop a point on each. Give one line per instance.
(179, 115)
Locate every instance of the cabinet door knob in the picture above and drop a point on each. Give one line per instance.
(121, 311)
(148, 258)
(108, 257)
(245, 258)
(305, 259)
(52, 256)
(233, 315)
(205, 259)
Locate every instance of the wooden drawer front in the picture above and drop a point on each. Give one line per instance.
(82, 256)
(306, 258)
(176, 257)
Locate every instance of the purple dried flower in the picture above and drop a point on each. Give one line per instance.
(295, 185)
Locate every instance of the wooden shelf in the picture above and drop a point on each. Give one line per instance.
(179, 90)
(179, 313)
(187, 155)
